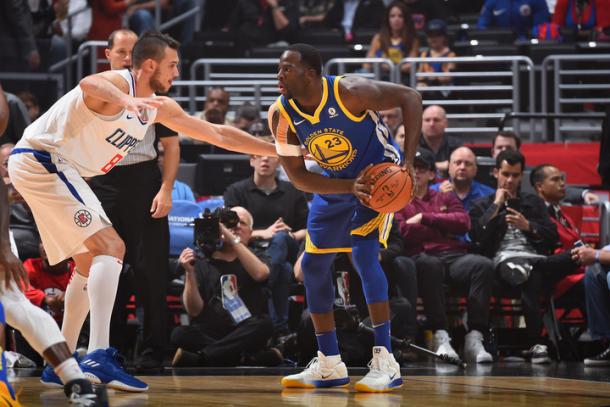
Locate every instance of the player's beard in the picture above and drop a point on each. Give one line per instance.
(156, 84)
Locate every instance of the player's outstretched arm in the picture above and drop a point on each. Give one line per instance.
(360, 94)
(108, 92)
(230, 138)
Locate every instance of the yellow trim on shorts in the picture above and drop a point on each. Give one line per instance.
(316, 115)
(310, 247)
(284, 113)
(383, 222)
(342, 106)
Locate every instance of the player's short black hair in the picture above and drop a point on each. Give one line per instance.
(151, 45)
(538, 174)
(310, 56)
(512, 157)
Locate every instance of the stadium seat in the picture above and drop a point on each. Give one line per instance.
(211, 204)
(181, 221)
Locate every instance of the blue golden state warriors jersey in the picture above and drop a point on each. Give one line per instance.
(341, 143)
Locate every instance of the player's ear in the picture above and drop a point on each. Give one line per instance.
(149, 65)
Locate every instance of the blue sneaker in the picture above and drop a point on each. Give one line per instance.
(106, 366)
(49, 377)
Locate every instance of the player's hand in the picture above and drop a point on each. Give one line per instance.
(414, 220)
(517, 219)
(584, 255)
(446, 186)
(13, 269)
(55, 303)
(139, 105)
(363, 186)
(161, 204)
(591, 198)
(187, 260)
(227, 235)
(277, 226)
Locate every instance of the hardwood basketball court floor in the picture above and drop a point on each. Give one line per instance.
(563, 384)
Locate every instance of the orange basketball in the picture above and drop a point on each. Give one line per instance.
(392, 187)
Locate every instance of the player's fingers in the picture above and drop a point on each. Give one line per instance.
(152, 103)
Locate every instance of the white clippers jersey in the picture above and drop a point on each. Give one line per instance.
(89, 142)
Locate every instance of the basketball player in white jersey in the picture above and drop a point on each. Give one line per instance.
(84, 134)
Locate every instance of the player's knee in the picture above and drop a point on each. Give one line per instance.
(112, 246)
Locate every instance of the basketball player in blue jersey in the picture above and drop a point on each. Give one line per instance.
(336, 119)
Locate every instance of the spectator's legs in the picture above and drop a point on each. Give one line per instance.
(477, 273)
(152, 277)
(598, 302)
(279, 282)
(192, 338)
(250, 336)
(280, 249)
(186, 27)
(430, 280)
(530, 298)
(404, 276)
(141, 21)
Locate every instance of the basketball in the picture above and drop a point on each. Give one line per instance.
(392, 187)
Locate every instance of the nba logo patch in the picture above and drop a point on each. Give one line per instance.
(82, 218)
(332, 112)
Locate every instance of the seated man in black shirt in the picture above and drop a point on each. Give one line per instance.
(280, 217)
(514, 229)
(223, 296)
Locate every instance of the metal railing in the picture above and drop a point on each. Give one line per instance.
(262, 93)
(381, 68)
(37, 77)
(89, 48)
(575, 80)
(498, 87)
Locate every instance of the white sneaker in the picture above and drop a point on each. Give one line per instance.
(474, 351)
(322, 371)
(442, 344)
(384, 373)
(539, 354)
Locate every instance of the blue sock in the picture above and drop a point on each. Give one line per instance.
(382, 335)
(327, 343)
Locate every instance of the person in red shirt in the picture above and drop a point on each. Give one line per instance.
(431, 226)
(48, 283)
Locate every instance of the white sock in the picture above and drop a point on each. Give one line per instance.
(76, 308)
(69, 370)
(103, 282)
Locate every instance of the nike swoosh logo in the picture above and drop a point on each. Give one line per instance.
(499, 12)
(327, 376)
(393, 376)
(297, 123)
(128, 117)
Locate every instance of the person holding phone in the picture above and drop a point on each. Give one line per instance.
(514, 229)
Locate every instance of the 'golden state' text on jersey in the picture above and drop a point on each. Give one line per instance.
(341, 143)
